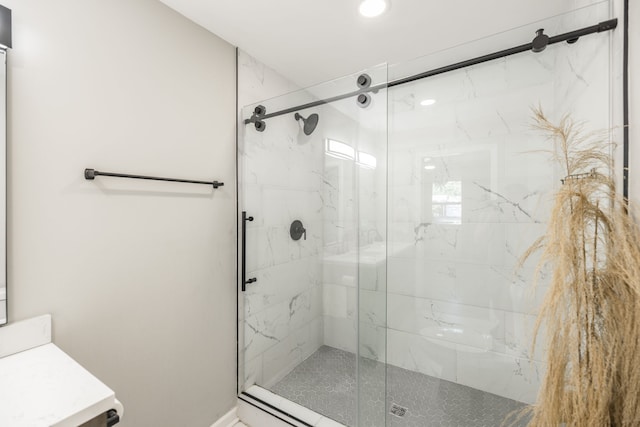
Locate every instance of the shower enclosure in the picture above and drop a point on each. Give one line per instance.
(383, 217)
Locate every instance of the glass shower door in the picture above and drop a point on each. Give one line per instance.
(470, 189)
(313, 215)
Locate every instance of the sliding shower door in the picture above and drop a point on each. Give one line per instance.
(470, 189)
(379, 276)
(312, 291)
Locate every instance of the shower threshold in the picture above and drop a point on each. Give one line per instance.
(326, 384)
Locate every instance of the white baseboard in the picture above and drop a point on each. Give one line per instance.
(227, 420)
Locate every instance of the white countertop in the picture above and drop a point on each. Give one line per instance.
(43, 386)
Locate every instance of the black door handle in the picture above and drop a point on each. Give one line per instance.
(245, 218)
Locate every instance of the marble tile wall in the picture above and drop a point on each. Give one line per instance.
(469, 191)
(280, 173)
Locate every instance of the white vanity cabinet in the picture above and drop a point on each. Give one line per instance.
(40, 385)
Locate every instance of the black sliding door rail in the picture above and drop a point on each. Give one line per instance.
(92, 173)
(570, 37)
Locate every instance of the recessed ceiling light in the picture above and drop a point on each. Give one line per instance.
(430, 167)
(426, 102)
(372, 8)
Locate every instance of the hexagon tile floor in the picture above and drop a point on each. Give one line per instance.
(326, 383)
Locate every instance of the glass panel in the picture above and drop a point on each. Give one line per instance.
(372, 265)
(468, 193)
(298, 323)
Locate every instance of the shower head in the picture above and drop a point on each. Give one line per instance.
(310, 123)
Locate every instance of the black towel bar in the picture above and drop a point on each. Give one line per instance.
(92, 173)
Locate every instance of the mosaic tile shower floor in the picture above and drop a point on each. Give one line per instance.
(326, 383)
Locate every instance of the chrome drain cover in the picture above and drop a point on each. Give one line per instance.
(397, 410)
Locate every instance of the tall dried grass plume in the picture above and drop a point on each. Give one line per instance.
(591, 311)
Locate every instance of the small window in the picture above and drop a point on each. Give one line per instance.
(446, 202)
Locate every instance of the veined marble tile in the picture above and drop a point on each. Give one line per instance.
(373, 307)
(315, 336)
(281, 206)
(481, 243)
(305, 307)
(259, 82)
(272, 326)
(265, 329)
(340, 333)
(279, 158)
(510, 201)
(426, 355)
(251, 371)
(372, 341)
(280, 359)
(528, 71)
(483, 328)
(266, 246)
(481, 81)
(436, 241)
(272, 173)
(402, 239)
(489, 286)
(581, 82)
(339, 301)
(519, 335)
(372, 276)
(427, 279)
(340, 273)
(519, 238)
(403, 172)
(307, 167)
(404, 203)
(280, 283)
(477, 119)
(500, 374)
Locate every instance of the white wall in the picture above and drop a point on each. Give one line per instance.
(139, 276)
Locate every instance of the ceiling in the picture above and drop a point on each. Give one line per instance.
(313, 41)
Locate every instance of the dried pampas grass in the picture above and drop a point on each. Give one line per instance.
(591, 311)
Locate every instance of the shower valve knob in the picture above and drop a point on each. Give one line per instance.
(297, 230)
